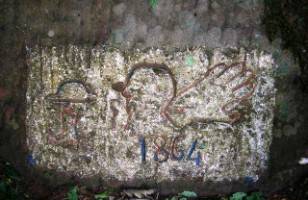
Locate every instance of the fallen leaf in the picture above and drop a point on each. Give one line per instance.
(238, 196)
(138, 193)
(189, 194)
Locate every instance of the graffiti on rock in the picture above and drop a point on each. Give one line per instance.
(243, 79)
(152, 114)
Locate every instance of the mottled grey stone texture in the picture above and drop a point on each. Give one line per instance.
(218, 22)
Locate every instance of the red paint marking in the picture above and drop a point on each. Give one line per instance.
(72, 113)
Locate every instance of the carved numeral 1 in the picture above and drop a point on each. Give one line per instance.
(143, 149)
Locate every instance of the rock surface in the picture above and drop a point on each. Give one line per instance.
(129, 25)
(93, 112)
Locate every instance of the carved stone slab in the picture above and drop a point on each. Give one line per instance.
(157, 114)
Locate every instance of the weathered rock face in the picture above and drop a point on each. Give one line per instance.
(151, 115)
(155, 116)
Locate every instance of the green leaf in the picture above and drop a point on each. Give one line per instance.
(3, 186)
(249, 198)
(153, 3)
(174, 198)
(103, 195)
(255, 196)
(72, 194)
(11, 171)
(238, 196)
(189, 194)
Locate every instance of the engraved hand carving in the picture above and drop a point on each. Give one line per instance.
(216, 96)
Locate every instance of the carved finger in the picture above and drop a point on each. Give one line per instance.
(228, 109)
(216, 69)
(228, 73)
(239, 69)
(222, 66)
(235, 116)
(246, 88)
(238, 66)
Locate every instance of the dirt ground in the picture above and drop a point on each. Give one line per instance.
(15, 186)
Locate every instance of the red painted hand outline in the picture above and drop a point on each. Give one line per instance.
(235, 80)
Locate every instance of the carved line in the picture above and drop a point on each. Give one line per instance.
(55, 97)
